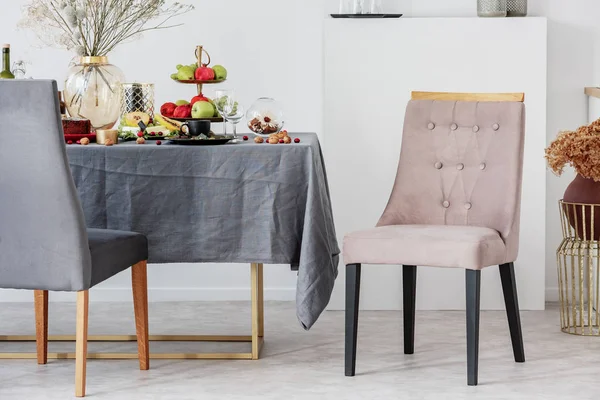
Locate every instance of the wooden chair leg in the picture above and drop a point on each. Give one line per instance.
(81, 334)
(473, 281)
(511, 300)
(139, 285)
(41, 325)
(352, 302)
(409, 283)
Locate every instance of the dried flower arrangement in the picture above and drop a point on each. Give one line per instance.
(579, 149)
(96, 27)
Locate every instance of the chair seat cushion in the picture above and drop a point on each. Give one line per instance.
(469, 247)
(114, 251)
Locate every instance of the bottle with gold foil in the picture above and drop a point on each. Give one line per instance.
(5, 73)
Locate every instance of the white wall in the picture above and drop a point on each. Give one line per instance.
(292, 36)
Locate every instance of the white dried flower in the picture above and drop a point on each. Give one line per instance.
(56, 21)
(80, 50)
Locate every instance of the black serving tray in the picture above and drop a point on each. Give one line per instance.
(366, 15)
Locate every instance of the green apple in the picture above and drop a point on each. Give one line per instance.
(185, 73)
(182, 102)
(220, 72)
(203, 109)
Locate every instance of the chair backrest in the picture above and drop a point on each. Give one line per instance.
(461, 163)
(43, 239)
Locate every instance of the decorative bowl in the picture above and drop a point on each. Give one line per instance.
(265, 117)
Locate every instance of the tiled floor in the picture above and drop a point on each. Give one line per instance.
(307, 365)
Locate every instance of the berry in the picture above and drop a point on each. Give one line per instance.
(152, 133)
(280, 140)
(245, 138)
(140, 134)
(297, 140)
(158, 142)
(78, 142)
(70, 142)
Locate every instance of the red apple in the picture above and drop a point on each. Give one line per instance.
(183, 111)
(205, 74)
(168, 109)
(200, 97)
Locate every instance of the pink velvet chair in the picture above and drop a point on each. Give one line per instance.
(455, 203)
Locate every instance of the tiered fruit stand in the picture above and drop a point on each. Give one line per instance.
(200, 84)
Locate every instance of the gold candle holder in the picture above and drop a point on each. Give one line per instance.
(102, 135)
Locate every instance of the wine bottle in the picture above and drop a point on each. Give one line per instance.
(5, 73)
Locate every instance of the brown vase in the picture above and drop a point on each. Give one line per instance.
(586, 191)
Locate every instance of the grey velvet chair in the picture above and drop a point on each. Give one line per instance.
(455, 203)
(44, 243)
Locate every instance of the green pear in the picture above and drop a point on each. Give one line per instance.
(182, 102)
(220, 72)
(186, 73)
(174, 77)
(178, 67)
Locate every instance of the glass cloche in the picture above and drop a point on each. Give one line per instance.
(265, 117)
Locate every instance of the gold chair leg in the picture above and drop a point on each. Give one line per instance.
(261, 302)
(41, 325)
(139, 284)
(81, 342)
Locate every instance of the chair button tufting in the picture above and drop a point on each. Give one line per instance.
(468, 206)
(438, 165)
(495, 127)
(460, 167)
(431, 126)
(476, 129)
(482, 166)
(446, 204)
(454, 127)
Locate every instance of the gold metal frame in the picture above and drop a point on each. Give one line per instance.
(256, 339)
(578, 261)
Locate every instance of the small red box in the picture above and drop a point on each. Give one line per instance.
(76, 129)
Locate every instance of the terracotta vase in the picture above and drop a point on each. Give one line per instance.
(587, 191)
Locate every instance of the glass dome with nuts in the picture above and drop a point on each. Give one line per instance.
(265, 117)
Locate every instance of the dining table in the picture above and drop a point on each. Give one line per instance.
(242, 202)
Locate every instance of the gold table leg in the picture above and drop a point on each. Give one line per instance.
(256, 339)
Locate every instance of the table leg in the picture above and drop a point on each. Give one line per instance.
(256, 339)
(261, 302)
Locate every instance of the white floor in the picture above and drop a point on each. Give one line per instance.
(307, 365)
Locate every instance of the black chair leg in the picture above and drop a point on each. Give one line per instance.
(409, 282)
(352, 296)
(473, 281)
(509, 287)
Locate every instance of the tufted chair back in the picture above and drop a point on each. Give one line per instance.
(461, 164)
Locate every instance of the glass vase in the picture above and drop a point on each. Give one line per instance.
(93, 91)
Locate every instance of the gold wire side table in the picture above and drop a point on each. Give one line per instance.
(578, 260)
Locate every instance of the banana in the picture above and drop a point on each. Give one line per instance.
(168, 123)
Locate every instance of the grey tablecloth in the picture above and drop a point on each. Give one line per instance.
(237, 203)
